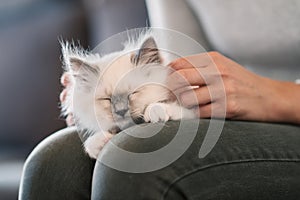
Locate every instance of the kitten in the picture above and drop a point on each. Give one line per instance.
(113, 92)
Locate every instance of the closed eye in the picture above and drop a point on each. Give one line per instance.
(131, 94)
(104, 99)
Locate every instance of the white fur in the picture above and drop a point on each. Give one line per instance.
(100, 77)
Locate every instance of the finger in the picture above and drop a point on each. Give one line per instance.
(65, 79)
(199, 60)
(63, 95)
(185, 77)
(202, 95)
(214, 109)
(197, 96)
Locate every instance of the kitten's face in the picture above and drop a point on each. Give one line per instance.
(120, 86)
(125, 93)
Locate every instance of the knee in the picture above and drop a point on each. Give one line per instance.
(57, 143)
(142, 148)
(138, 159)
(50, 161)
(151, 137)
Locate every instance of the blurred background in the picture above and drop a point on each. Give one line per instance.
(30, 67)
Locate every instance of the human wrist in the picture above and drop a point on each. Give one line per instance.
(282, 101)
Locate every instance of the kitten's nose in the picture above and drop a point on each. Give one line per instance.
(121, 112)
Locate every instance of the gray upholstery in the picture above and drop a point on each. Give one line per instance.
(260, 35)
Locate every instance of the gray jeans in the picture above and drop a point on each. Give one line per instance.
(250, 161)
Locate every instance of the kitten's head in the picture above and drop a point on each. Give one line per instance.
(113, 90)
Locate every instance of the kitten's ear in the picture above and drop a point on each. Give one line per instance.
(78, 66)
(148, 53)
(74, 59)
(85, 75)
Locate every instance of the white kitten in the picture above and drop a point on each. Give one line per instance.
(113, 92)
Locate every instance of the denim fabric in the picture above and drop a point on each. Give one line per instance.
(250, 161)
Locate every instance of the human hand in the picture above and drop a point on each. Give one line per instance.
(65, 81)
(226, 89)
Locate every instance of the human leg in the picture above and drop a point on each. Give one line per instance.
(250, 161)
(58, 168)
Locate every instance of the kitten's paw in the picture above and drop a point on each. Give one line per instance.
(94, 144)
(156, 112)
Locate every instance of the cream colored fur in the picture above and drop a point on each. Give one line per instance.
(100, 84)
